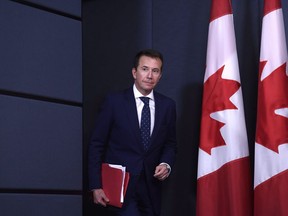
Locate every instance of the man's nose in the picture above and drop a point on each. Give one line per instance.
(149, 74)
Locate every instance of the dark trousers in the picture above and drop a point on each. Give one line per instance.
(139, 203)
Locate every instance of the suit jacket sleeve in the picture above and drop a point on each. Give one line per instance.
(98, 144)
(170, 148)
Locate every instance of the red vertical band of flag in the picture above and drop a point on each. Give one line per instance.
(220, 8)
(271, 6)
(224, 186)
(271, 144)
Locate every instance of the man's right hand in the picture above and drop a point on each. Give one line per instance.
(99, 197)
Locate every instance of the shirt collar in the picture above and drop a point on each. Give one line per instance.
(137, 94)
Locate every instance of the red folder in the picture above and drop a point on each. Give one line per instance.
(112, 181)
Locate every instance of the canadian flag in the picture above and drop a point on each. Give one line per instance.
(271, 145)
(224, 184)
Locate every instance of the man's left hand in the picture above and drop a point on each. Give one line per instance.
(161, 172)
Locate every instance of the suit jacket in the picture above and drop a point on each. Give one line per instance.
(117, 140)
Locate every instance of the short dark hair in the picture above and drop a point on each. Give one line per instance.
(150, 53)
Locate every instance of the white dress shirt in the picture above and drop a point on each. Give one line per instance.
(140, 105)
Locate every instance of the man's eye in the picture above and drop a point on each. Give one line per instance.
(156, 71)
(145, 69)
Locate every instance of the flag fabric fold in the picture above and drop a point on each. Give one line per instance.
(224, 186)
(271, 143)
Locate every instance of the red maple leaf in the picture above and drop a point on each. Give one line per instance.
(272, 129)
(217, 92)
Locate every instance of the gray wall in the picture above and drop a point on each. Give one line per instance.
(41, 108)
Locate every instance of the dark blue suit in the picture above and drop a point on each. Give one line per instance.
(116, 139)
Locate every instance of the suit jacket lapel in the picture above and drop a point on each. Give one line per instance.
(133, 122)
(158, 114)
(131, 112)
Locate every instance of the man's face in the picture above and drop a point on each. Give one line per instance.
(147, 74)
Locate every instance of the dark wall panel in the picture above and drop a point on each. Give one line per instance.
(40, 205)
(40, 145)
(72, 7)
(113, 32)
(185, 30)
(40, 52)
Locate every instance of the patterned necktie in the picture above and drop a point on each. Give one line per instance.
(145, 123)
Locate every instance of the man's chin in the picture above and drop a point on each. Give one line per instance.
(149, 89)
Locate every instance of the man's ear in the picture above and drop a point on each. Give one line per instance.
(134, 71)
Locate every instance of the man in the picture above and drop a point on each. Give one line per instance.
(117, 139)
